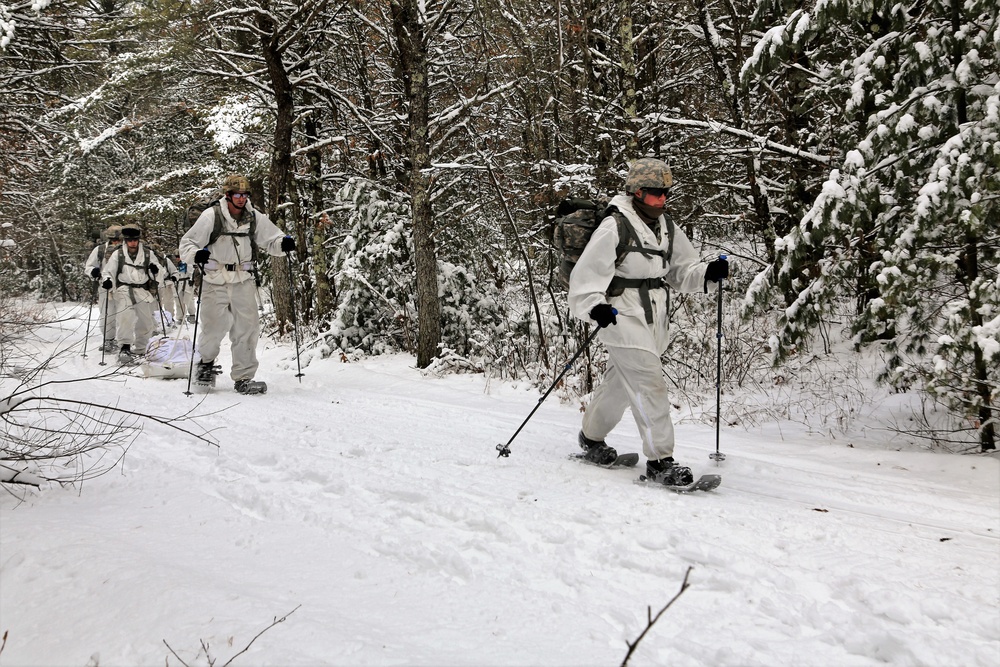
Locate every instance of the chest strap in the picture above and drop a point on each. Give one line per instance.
(619, 285)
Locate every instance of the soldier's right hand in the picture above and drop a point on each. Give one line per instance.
(604, 315)
(106, 284)
(202, 256)
(95, 272)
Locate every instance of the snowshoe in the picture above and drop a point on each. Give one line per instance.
(250, 387)
(627, 460)
(597, 451)
(109, 345)
(126, 357)
(703, 483)
(205, 372)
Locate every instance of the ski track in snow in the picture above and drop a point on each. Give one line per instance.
(372, 496)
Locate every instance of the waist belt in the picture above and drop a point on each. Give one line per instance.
(132, 287)
(215, 266)
(619, 285)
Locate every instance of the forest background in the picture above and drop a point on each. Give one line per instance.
(844, 153)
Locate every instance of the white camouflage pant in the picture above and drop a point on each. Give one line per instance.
(135, 320)
(633, 380)
(183, 299)
(230, 308)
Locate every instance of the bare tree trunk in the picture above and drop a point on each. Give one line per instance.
(412, 44)
(984, 389)
(281, 160)
(323, 289)
(629, 77)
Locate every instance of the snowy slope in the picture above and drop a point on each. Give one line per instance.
(366, 502)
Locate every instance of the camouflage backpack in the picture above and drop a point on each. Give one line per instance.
(575, 222)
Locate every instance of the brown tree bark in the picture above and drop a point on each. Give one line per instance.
(414, 67)
(281, 160)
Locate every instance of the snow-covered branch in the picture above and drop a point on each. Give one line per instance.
(763, 142)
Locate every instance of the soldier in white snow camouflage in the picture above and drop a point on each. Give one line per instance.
(628, 300)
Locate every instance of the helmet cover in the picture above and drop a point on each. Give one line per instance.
(648, 172)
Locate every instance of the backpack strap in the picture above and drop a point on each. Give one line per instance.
(628, 241)
(123, 260)
(218, 231)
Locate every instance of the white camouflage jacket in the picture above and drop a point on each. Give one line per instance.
(133, 274)
(588, 283)
(231, 256)
(98, 258)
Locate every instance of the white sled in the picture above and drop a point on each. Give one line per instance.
(167, 357)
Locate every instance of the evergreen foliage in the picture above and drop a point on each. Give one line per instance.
(906, 226)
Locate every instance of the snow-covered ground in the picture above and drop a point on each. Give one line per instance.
(365, 504)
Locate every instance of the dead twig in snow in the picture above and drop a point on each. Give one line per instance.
(653, 619)
(211, 660)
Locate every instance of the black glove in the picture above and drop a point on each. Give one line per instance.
(287, 244)
(717, 270)
(95, 272)
(106, 284)
(604, 315)
(153, 269)
(174, 278)
(201, 257)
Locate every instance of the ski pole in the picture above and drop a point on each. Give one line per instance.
(194, 336)
(718, 456)
(178, 299)
(182, 297)
(107, 307)
(159, 305)
(295, 328)
(505, 449)
(90, 313)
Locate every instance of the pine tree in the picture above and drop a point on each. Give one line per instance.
(908, 225)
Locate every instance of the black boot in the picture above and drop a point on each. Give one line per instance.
(250, 387)
(597, 451)
(665, 471)
(125, 356)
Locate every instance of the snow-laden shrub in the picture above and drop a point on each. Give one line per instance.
(376, 312)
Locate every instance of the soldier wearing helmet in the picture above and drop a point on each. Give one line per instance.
(131, 276)
(223, 243)
(628, 300)
(92, 269)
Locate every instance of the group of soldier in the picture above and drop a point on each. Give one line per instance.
(152, 288)
(139, 285)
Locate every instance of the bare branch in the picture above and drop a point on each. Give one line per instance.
(245, 648)
(651, 620)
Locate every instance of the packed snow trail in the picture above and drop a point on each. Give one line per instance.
(372, 496)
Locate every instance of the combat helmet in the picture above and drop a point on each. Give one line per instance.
(131, 232)
(113, 233)
(648, 172)
(236, 183)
